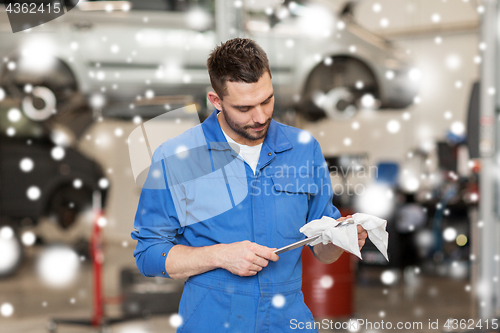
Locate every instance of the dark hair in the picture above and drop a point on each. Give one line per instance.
(236, 60)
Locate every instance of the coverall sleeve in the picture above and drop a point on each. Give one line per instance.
(321, 203)
(156, 224)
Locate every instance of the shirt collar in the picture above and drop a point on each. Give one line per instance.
(275, 138)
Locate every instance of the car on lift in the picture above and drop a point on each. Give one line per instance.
(39, 179)
(135, 57)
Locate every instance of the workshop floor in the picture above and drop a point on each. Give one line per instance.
(428, 298)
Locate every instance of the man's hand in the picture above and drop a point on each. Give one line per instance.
(244, 258)
(362, 234)
(328, 253)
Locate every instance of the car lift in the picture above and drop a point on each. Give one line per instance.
(98, 319)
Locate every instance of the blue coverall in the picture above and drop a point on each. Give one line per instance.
(291, 187)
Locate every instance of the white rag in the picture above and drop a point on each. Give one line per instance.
(346, 237)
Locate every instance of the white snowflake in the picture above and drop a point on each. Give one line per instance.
(278, 301)
(14, 115)
(436, 18)
(393, 126)
(11, 131)
(57, 153)
(33, 193)
(77, 183)
(26, 164)
(6, 309)
(175, 320)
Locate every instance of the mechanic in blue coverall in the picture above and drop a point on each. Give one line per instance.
(235, 281)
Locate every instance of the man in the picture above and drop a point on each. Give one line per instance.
(235, 281)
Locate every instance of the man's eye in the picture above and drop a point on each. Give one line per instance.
(244, 109)
(266, 101)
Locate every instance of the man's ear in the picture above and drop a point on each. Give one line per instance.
(215, 100)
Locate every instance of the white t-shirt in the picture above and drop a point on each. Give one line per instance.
(250, 154)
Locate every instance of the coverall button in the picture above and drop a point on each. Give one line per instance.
(163, 254)
(269, 154)
(163, 273)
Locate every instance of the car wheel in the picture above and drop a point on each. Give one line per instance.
(335, 90)
(48, 96)
(338, 103)
(40, 104)
(12, 251)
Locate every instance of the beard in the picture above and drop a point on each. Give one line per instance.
(246, 131)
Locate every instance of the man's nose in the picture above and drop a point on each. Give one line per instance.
(259, 115)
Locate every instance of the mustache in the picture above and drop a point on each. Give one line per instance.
(259, 125)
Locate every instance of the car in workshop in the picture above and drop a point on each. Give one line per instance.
(137, 57)
(40, 178)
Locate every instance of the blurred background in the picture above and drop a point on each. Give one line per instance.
(401, 95)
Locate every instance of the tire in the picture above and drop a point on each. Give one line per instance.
(331, 91)
(53, 96)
